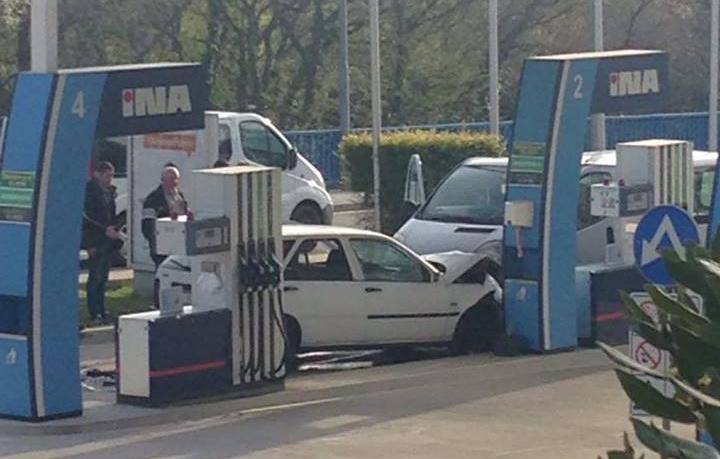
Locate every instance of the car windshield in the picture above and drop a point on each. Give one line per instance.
(471, 194)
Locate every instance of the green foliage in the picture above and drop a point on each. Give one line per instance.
(693, 340)
(649, 399)
(440, 153)
(627, 453)
(670, 445)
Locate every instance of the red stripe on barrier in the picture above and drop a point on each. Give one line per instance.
(609, 316)
(186, 369)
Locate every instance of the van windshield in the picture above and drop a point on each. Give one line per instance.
(471, 194)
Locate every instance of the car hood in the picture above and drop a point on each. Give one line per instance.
(455, 262)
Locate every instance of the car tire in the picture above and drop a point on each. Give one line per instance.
(292, 344)
(477, 328)
(307, 213)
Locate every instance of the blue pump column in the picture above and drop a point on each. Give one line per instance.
(557, 94)
(50, 136)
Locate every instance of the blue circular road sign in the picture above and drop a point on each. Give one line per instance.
(663, 227)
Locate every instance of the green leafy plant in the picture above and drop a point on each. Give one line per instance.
(693, 340)
(440, 152)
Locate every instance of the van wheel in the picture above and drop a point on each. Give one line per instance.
(476, 329)
(292, 345)
(307, 213)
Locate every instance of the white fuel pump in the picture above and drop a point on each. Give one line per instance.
(649, 173)
(232, 336)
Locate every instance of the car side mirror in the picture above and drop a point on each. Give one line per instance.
(292, 158)
(435, 276)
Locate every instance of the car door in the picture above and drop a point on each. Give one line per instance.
(321, 294)
(403, 301)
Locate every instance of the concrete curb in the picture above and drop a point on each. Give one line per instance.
(97, 335)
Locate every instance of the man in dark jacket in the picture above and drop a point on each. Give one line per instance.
(100, 236)
(164, 201)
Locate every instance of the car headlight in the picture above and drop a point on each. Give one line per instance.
(491, 250)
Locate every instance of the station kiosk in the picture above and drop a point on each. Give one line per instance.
(231, 339)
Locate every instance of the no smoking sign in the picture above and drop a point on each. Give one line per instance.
(648, 355)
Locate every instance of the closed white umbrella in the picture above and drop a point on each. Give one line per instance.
(414, 186)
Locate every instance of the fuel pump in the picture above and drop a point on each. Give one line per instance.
(648, 173)
(231, 338)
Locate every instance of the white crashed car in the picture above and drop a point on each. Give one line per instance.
(350, 288)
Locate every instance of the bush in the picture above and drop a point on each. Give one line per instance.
(440, 152)
(693, 341)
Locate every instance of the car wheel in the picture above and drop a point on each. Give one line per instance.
(307, 213)
(292, 344)
(477, 328)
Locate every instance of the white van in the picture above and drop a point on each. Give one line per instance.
(465, 212)
(235, 138)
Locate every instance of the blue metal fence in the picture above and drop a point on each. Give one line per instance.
(321, 146)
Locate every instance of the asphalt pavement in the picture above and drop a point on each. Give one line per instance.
(557, 406)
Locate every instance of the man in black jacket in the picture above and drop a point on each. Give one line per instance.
(100, 236)
(164, 201)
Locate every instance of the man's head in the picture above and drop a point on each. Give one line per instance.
(170, 178)
(103, 173)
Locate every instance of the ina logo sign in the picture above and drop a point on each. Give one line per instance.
(634, 83)
(160, 100)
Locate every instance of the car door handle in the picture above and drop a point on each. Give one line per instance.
(372, 289)
(290, 288)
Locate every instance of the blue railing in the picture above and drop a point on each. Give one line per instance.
(321, 146)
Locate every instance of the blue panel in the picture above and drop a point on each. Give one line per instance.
(28, 118)
(617, 90)
(523, 312)
(562, 204)
(536, 101)
(66, 185)
(14, 252)
(528, 162)
(22, 151)
(141, 101)
(15, 395)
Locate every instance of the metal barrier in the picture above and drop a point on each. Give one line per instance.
(321, 146)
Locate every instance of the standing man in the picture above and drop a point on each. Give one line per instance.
(100, 236)
(164, 201)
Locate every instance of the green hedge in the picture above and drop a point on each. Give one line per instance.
(440, 152)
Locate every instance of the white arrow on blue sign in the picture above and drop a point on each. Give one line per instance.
(663, 227)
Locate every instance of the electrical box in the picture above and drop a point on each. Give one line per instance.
(605, 200)
(613, 200)
(171, 235)
(187, 238)
(519, 214)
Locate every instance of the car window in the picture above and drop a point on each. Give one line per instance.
(262, 145)
(704, 180)
(384, 262)
(470, 194)
(287, 245)
(318, 260)
(585, 218)
(224, 143)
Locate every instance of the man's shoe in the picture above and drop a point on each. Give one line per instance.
(107, 319)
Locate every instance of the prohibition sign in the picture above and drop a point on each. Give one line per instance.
(648, 355)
